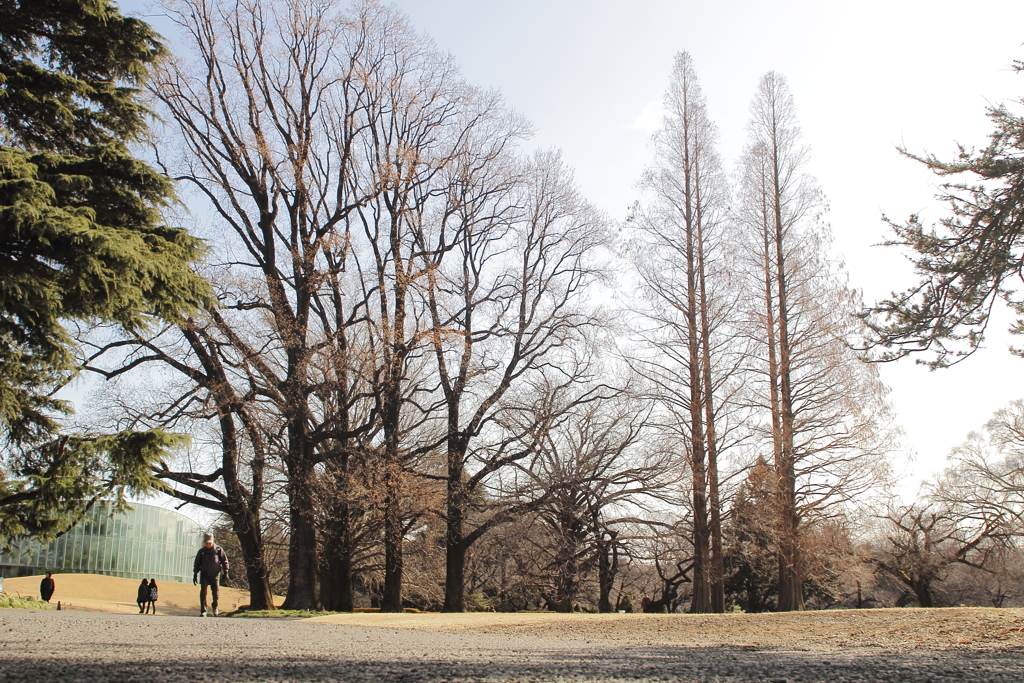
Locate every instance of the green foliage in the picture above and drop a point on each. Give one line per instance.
(12, 602)
(60, 479)
(81, 242)
(477, 602)
(969, 261)
(751, 549)
(751, 564)
(80, 232)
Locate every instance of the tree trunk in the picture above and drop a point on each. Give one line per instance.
(243, 510)
(701, 600)
(394, 533)
(336, 593)
(607, 567)
(455, 546)
(717, 563)
(302, 562)
(251, 541)
(923, 590)
(791, 592)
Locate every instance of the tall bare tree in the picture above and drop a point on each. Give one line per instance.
(269, 110)
(205, 391)
(679, 254)
(434, 245)
(828, 417)
(990, 464)
(505, 301)
(924, 541)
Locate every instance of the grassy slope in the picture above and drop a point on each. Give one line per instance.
(114, 594)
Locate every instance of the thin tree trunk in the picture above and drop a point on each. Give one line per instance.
(701, 599)
(456, 501)
(394, 533)
(607, 565)
(717, 565)
(791, 595)
(243, 510)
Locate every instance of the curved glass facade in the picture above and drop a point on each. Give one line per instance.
(147, 542)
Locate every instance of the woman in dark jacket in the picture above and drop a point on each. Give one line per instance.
(153, 595)
(143, 595)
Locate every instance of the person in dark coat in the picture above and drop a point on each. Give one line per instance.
(153, 596)
(46, 587)
(143, 597)
(210, 562)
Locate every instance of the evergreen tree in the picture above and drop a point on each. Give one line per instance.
(751, 566)
(969, 261)
(81, 242)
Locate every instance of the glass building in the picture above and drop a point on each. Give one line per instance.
(147, 542)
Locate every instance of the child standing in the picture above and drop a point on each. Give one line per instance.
(153, 595)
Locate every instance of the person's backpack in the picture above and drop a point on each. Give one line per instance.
(209, 562)
(153, 593)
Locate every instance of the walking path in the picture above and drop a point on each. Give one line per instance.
(96, 646)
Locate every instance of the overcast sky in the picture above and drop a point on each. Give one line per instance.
(866, 78)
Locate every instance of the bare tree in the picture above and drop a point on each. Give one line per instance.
(991, 464)
(679, 254)
(205, 389)
(505, 295)
(828, 418)
(597, 472)
(925, 540)
(268, 110)
(970, 517)
(666, 547)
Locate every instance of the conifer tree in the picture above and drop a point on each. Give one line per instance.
(81, 242)
(968, 261)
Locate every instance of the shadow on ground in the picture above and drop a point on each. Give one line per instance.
(632, 664)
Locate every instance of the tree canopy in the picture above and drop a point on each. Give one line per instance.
(967, 262)
(81, 232)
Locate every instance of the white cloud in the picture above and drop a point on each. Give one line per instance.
(649, 119)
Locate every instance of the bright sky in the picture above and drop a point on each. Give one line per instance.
(866, 77)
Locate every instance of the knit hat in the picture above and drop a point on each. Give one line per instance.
(207, 537)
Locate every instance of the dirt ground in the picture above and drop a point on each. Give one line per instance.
(904, 646)
(892, 629)
(114, 594)
(908, 629)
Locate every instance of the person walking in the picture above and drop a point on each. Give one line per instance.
(210, 562)
(143, 596)
(46, 587)
(153, 596)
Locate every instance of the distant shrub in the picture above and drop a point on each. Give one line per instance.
(12, 602)
(477, 602)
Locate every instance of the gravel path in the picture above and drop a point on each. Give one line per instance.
(92, 646)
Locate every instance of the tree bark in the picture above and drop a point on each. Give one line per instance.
(251, 541)
(336, 589)
(455, 546)
(302, 559)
